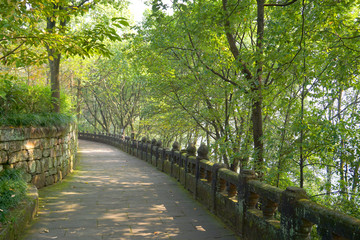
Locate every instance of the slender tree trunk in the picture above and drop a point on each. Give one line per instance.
(257, 101)
(54, 63)
(55, 80)
(78, 94)
(255, 81)
(343, 179)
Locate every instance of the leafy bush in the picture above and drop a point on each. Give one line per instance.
(24, 105)
(16, 97)
(12, 191)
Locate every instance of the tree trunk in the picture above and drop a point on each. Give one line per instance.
(54, 79)
(257, 101)
(255, 81)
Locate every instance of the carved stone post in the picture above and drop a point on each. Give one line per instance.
(214, 173)
(202, 154)
(157, 152)
(190, 151)
(175, 147)
(246, 199)
(143, 149)
(293, 226)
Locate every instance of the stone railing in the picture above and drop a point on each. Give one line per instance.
(46, 154)
(252, 208)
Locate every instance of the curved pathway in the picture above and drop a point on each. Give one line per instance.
(116, 196)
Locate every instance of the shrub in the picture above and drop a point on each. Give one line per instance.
(24, 105)
(35, 120)
(16, 97)
(12, 191)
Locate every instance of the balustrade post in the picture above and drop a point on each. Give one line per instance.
(143, 144)
(293, 226)
(157, 153)
(214, 173)
(246, 199)
(175, 147)
(153, 145)
(202, 155)
(190, 152)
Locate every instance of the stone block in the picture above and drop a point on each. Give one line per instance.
(16, 146)
(38, 166)
(32, 167)
(65, 146)
(22, 165)
(52, 152)
(46, 153)
(18, 156)
(55, 162)
(58, 151)
(56, 179)
(49, 180)
(13, 134)
(52, 171)
(35, 154)
(27, 177)
(37, 133)
(4, 146)
(59, 175)
(39, 180)
(3, 157)
(45, 143)
(32, 144)
(45, 164)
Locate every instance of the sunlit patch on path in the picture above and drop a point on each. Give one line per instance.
(117, 196)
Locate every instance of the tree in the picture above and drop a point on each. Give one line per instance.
(58, 36)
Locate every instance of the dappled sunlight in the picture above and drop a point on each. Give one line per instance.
(95, 151)
(107, 199)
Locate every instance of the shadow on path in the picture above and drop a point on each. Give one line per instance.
(116, 196)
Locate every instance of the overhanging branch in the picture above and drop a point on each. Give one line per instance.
(287, 3)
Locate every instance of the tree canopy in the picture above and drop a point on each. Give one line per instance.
(268, 85)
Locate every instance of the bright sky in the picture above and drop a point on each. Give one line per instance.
(137, 7)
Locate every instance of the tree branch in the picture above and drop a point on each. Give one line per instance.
(280, 5)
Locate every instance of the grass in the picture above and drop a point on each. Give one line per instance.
(12, 191)
(35, 120)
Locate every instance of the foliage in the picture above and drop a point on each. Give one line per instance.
(16, 97)
(24, 105)
(36, 120)
(12, 191)
(23, 29)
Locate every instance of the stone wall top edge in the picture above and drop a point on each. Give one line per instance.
(8, 134)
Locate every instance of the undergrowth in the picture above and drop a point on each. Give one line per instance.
(12, 192)
(35, 120)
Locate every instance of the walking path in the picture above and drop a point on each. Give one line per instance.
(116, 196)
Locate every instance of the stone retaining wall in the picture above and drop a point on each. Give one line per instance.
(46, 154)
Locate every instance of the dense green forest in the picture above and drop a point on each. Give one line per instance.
(268, 85)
